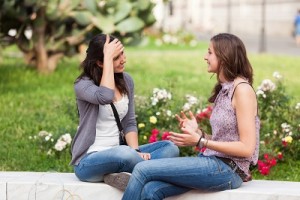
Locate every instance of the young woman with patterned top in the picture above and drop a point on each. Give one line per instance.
(234, 142)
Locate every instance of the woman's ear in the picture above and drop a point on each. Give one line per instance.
(99, 63)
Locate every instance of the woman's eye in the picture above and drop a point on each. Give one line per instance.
(116, 58)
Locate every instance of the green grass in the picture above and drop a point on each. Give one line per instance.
(30, 102)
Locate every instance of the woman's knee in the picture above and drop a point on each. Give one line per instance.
(173, 150)
(151, 192)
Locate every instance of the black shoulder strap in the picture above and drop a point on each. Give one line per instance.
(236, 87)
(116, 114)
(248, 84)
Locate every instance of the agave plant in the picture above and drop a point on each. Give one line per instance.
(46, 30)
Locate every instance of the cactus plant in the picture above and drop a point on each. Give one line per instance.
(47, 30)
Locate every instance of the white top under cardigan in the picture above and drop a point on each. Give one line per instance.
(107, 131)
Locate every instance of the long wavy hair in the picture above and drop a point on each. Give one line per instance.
(233, 61)
(90, 68)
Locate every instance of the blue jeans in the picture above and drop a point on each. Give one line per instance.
(93, 166)
(158, 179)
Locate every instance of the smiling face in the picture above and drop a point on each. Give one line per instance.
(119, 63)
(211, 59)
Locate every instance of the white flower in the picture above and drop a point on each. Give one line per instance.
(67, 138)
(297, 106)
(277, 75)
(43, 133)
(186, 107)
(48, 137)
(60, 145)
(267, 85)
(160, 95)
(259, 92)
(62, 142)
(49, 152)
(169, 113)
(191, 100)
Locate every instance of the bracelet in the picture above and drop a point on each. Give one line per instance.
(203, 143)
(206, 143)
(199, 141)
(202, 136)
(137, 150)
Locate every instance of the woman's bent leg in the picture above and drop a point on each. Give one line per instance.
(156, 190)
(205, 173)
(95, 165)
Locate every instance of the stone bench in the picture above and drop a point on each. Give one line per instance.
(65, 186)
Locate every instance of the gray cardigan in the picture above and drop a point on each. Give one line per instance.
(88, 98)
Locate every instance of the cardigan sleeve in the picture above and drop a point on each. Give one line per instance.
(86, 90)
(129, 122)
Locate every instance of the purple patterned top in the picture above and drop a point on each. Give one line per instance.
(224, 127)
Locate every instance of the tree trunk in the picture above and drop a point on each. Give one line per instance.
(53, 60)
(39, 46)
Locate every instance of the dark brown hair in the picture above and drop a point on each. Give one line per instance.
(233, 62)
(90, 68)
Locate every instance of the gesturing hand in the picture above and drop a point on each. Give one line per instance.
(189, 127)
(185, 122)
(184, 139)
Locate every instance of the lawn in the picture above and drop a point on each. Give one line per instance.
(31, 102)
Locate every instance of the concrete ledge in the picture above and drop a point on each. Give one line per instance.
(63, 186)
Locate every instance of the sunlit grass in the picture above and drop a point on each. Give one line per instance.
(30, 102)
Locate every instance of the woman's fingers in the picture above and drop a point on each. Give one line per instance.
(183, 115)
(191, 115)
(107, 39)
(145, 156)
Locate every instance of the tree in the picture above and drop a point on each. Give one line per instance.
(46, 30)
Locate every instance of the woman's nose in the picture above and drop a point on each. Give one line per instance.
(123, 58)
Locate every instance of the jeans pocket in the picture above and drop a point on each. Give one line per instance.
(221, 187)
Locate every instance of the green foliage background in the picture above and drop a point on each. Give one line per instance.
(31, 102)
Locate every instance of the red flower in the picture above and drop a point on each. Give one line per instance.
(280, 156)
(200, 150)
(265, 170)
(284, 143)
(265, 166)
(165, 135)
(152, 139)
(272, 162)
(266, 156)
(154, 132)
(205, 114)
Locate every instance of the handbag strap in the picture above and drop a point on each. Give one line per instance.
(116, 114)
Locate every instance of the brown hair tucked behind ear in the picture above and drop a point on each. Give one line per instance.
(233, 61)
(90, 67)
